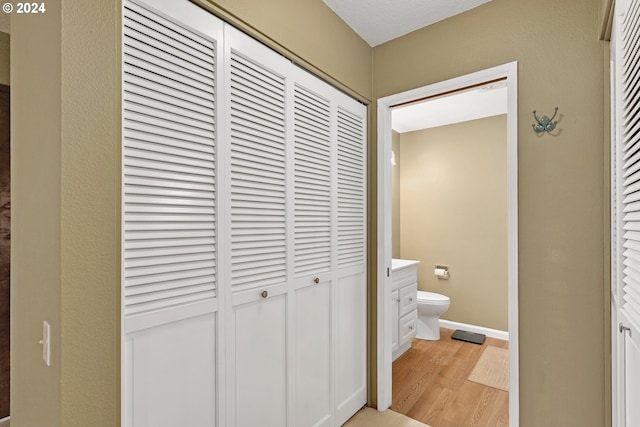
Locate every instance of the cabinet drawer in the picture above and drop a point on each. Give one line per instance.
(408, 295)
(407, 328)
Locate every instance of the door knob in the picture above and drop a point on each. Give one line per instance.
(264, 294)
(316, 280)
(623, 328)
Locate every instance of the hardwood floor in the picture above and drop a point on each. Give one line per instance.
(430, 385)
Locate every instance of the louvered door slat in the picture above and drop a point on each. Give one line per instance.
(632, 197)
(143, 112)
(258, 180)
(169, 164)
(167, 31)
(172, 63)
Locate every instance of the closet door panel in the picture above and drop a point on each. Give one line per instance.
(256, 233)
(351, 257)
(260, 334)
(313, 356)
(171, 52)
(313, 253)
(174, 374)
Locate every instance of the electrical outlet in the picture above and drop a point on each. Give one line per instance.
(46, 342)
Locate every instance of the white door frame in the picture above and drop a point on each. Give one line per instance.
(510, 71)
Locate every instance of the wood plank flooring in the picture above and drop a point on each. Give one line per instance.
(430, 385)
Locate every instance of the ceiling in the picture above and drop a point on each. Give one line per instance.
(378, 21)
(487, 101)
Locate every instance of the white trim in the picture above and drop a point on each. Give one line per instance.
(491, 333)
(510, 71)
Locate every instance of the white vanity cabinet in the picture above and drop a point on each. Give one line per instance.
(404, 282)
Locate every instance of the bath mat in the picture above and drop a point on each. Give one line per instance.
(369, 417)
(492, 369)
(468, 336)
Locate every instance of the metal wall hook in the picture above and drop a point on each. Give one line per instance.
(545, 124)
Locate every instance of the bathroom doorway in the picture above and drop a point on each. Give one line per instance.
(501, 76)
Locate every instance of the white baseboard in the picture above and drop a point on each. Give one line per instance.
(493, 333)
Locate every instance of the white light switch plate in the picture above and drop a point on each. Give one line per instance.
(46, 343)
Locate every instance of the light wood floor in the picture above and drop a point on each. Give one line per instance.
(430, 385)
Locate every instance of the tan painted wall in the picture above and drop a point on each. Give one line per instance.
(66, 187)
(453, 210)
(396, 235)
(5, 42)
(561, 274)
(90, 213)
(36, 282)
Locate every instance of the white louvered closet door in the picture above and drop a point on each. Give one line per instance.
(626, 214)
(255, 191)
(170, 256)
(244, 220)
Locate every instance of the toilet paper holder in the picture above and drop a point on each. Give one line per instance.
(441, 271)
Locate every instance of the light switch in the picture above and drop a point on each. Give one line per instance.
(46, 343)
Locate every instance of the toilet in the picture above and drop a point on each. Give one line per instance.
(430, 306)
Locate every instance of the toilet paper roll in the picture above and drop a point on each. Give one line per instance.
(441, 273)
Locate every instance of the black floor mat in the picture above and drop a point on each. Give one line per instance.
(467, 336)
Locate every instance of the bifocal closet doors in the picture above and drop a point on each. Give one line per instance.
(244, 225)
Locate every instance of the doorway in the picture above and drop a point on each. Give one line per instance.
(385, 105)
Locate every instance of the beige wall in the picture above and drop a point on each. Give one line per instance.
(395, 197)
(561, 274)
(453, 210)
(66, 189)
(36, 282)
(5, 42)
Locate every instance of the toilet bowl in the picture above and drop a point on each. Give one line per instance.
(430, 307)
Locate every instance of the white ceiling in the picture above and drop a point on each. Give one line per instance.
(461, 107)
(378, 21)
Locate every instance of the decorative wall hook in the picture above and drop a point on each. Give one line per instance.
(545, 124)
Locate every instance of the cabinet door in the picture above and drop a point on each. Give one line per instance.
(408, 296)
